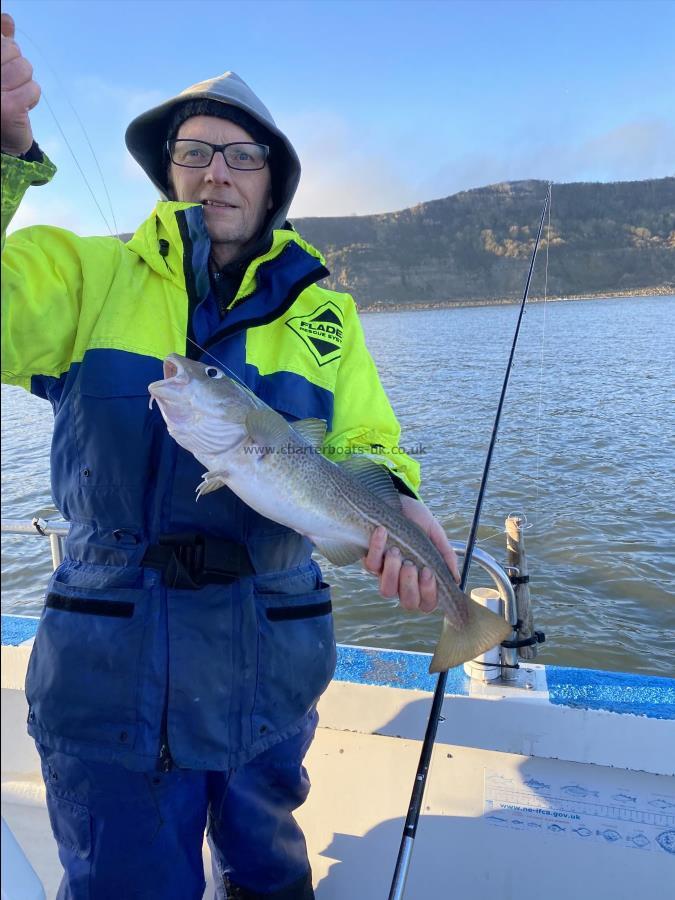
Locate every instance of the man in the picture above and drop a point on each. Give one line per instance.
(183, 647)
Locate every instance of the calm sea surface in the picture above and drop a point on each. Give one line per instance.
(586, 452)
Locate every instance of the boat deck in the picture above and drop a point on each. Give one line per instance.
(560, 786)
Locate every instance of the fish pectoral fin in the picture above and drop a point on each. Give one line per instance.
(484, 629)
(339, 552)
(311, 430)
(374, 476)
(267, 427)
(211, 481)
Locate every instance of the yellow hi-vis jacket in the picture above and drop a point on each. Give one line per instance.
(86, 323)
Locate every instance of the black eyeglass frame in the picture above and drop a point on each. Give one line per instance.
(215, 148)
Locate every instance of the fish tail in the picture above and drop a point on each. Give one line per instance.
(482, 631)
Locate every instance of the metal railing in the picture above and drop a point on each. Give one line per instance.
(57, 529)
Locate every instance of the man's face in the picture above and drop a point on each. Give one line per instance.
(235, 202)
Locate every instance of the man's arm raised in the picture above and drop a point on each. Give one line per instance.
(20, 93)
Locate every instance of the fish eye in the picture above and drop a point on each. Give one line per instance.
(212, 372)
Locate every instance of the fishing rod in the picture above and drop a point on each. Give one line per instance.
(397, 889)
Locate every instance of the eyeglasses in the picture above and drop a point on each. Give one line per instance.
(245, 155)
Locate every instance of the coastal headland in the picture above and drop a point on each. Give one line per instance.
(472, 248)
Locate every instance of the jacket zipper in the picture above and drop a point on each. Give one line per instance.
(165, 760)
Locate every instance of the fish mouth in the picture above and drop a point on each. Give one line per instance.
(175, 378)
(172, 368)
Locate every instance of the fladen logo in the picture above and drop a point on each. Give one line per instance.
(321, 331)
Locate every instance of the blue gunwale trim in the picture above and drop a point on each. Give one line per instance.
(17, 629)
(394, 668)
(618, 692)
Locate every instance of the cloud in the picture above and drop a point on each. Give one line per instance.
(344, 170)
(52, 211)
(126, 100)
(631, 151)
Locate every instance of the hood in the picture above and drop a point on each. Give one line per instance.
(147, 133)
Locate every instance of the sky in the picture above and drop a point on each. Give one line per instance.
(388, 103)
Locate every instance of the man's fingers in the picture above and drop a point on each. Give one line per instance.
(428, 595)
(20, 100)
(34, 95)
(416, 590)
(7, 25)
(375, 557)
(9, 51)
(390, 573)
(408, 587)
(19, 93)
(16, 73)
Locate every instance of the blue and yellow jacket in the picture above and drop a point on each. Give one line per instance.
(123, 663)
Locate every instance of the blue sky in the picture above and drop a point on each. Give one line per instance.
(387, 103)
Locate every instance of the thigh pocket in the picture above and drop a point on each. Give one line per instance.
(296, 654)
(83, 675)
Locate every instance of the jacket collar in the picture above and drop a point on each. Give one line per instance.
(159, 241)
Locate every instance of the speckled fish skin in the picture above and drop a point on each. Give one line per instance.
(251, 449)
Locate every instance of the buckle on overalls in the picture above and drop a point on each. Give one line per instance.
(188, 561)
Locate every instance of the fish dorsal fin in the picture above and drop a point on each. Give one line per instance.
(339, 553)
(374, 476)
(267, 427)
(311, 430)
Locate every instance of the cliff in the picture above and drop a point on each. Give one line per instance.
(474, 246)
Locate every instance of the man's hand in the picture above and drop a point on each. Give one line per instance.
(19, 93)
(416, 590)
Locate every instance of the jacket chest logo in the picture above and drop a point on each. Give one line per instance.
(320, 331)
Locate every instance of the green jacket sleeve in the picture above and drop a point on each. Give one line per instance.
(17, 176)
(363, 420)
(43, 274)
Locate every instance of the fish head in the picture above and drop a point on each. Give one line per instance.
(204, 408)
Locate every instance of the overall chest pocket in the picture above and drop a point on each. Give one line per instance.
(296, 647)
(84, 671)
(115, 430)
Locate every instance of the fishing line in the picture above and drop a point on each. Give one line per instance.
(72, 153)
(86, 137)
(524, 526)
(414, 810)
(490, 536)
(227, 369)
(541, 366)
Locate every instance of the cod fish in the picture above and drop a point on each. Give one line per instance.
(276, 468)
